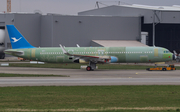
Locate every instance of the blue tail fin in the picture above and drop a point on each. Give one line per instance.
(17, 40)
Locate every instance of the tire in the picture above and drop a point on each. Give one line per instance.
(88, 68)
(164, 69)
(2, 56)
(148, 69)
(177, 60)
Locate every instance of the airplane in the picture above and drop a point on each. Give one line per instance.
(89, 55)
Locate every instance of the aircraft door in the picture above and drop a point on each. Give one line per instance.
(33, 53)
(156, 52)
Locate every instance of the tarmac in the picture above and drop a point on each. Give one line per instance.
(81, 77)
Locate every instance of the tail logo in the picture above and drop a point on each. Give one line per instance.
(15, 40)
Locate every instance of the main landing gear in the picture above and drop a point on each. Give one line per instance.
(91, 66)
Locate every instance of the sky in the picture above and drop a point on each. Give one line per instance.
(72, 7)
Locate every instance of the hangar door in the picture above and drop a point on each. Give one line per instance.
(167, 35)
(2, 41)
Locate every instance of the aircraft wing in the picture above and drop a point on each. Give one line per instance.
(86, 57)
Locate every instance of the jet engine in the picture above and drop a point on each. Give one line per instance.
(81, 61)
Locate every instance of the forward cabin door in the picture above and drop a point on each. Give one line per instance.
(156, 52)
(156, 55)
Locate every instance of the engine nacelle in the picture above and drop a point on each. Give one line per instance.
(2, 39)
(114, 59)
(2, 36)
(81, 61)
(2, 46)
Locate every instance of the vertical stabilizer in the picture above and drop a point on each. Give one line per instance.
(17, 39)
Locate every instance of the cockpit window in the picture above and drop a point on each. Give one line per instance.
(166, 51)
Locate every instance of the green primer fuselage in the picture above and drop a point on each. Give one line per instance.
(123, 54)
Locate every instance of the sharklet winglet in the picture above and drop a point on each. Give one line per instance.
(77, 45)
(64, 51)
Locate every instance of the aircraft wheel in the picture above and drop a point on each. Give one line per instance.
(2, 56)
(177, 60)
(88, 68)
(148, 69)
(164, 69)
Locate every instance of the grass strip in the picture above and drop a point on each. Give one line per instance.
(115, 109)
(30, 75)
(101, 98)
(77, 66)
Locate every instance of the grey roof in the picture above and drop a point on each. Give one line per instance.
(119, 43)
(175, 8)
(160, 8)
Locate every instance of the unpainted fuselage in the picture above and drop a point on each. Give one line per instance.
(122, 54)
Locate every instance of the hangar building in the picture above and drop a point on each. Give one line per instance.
(52, 29)
(166, 20)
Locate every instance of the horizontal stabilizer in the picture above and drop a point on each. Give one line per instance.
(14, 52)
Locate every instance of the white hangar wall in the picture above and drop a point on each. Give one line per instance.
(51, 30)
(72, 30)
(27, 24)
